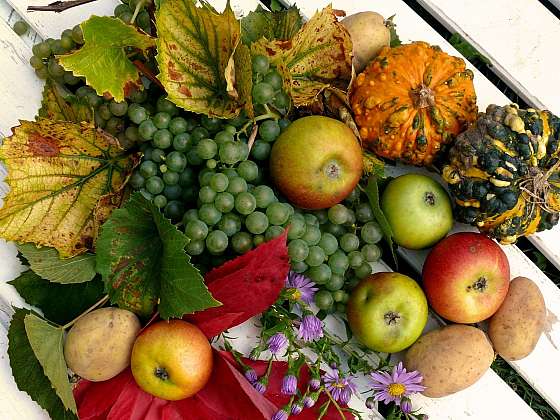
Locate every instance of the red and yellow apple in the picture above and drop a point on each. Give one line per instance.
(171, 360)
(316, 162)
(466, 277)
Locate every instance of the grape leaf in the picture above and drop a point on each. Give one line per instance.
(60, 104)
(103, 59)
(283, 24)
(244, 77)
(60, 303)
(141, 258)
(47, 263)
(27, 371)
(467, 50)
(47, 343)
(318, 56)
(57, 172)
(196, 49)
(395, 40)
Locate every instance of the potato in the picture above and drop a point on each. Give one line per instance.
(369, 34)
(450, 359)
(98, 346)
(517, 325)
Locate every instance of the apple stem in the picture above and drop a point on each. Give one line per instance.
(87, 311)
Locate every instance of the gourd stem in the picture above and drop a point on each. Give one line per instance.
(87, 311)
(423, 96)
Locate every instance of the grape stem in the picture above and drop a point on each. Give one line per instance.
(58, 6)
(270, 114)
(147, 72)
(137, 10)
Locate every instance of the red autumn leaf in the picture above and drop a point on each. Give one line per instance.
(246, 286)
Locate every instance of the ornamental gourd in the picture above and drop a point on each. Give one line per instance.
(504, 172)
(411, 100)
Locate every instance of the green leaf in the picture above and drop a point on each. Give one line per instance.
(276, 6)
(141, 258)
(196, 49)
(103, 58)
(372, 192)
(261, 23)
(244, 77)
(466, 49)
(395, 40)
(59, 104)
(28, 372)
(60, 303)
(373, 165)
(47, 263)
(47, 343)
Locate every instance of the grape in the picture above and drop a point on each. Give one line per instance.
(264, 196)
(104, 112)
(371, 233)
(273, 232)
(168, 107)
(311, 219)
(118, 109)
(258, 239)
(297, 228)
(56, 47)
(21, 27)
(160, 201)
(162, 139)
(329, 243)
(36, 62)
(56, 70)
(371, 252)
(248, 170)
(70, 79)
(312, 235)
(242, 151)
(338, 262)
(262, 93)
(353, 196)
(260, 64)
(355, 259)
(154, 185)
(162, 120)
(143, 20)
(316, 256)
(245, 203)
(92, 99)
(260, 150)
(77, 35)
(282, 101)
(363, 270)
(121, 8)
(228, 128)
(298, 250)
(274, 79)
(321, 216)
(269, 130)
(211, 124)
(237, 185)
(170, 178)
(182, 142)
(350, 218)
(146, 194)
(42, 73)
(42, 50)
(241, 242)
(336, 230)
(230, 224)
(131, 133)
(158, 155)
(173, 192)
(195, 247)
(148, 169)
(193, 158)
(364, 213)
(230, 173)
(219, 182)
(196, 230)
(277, 213)
(67, 43)
(147, 129)
(224, 202)
(349, 242)
(216, 241)
(66, 32)
(324, 300)
(338, 214)
(206, 195)
(229, 153)
(209, 214)
(206, 149)
(178, 125)
(299, 267)
(223, 137)
(187, 178)
(191, 214)
(176, 161)
(204, 176)
(335, 283)
(319, 274)
(137, 180)
(189, 194)
(114, 125)
(199, 133)
(138, 96)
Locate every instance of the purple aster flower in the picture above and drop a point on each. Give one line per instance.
(289, 385)
(280, 415)
(314, 384)
(406, 406)
(397, 385)
(260, 387)
(251, 375)
(340, 387)
(311, 328)
(309, 401)
(277, 343)
(296, 409)
(300, 287)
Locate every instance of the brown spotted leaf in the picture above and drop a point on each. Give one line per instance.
(141, 257)
(62, 105)
(57, 172)
(318, 56)
(196, 48)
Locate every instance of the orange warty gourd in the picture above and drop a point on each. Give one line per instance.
(411, 100)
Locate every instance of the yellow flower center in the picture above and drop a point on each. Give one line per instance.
(296, 294)
(396, 390)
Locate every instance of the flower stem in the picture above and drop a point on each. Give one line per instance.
(87, 311)
(335, 404)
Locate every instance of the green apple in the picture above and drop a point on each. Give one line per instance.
(418, 210)
(387, 312)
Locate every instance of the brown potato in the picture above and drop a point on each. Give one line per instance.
(98, 346)
(517, 325)
(369, 34)
(450, 359)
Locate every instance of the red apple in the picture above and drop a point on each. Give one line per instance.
(466, 277)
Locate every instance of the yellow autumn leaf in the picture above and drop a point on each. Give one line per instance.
(57, 172)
